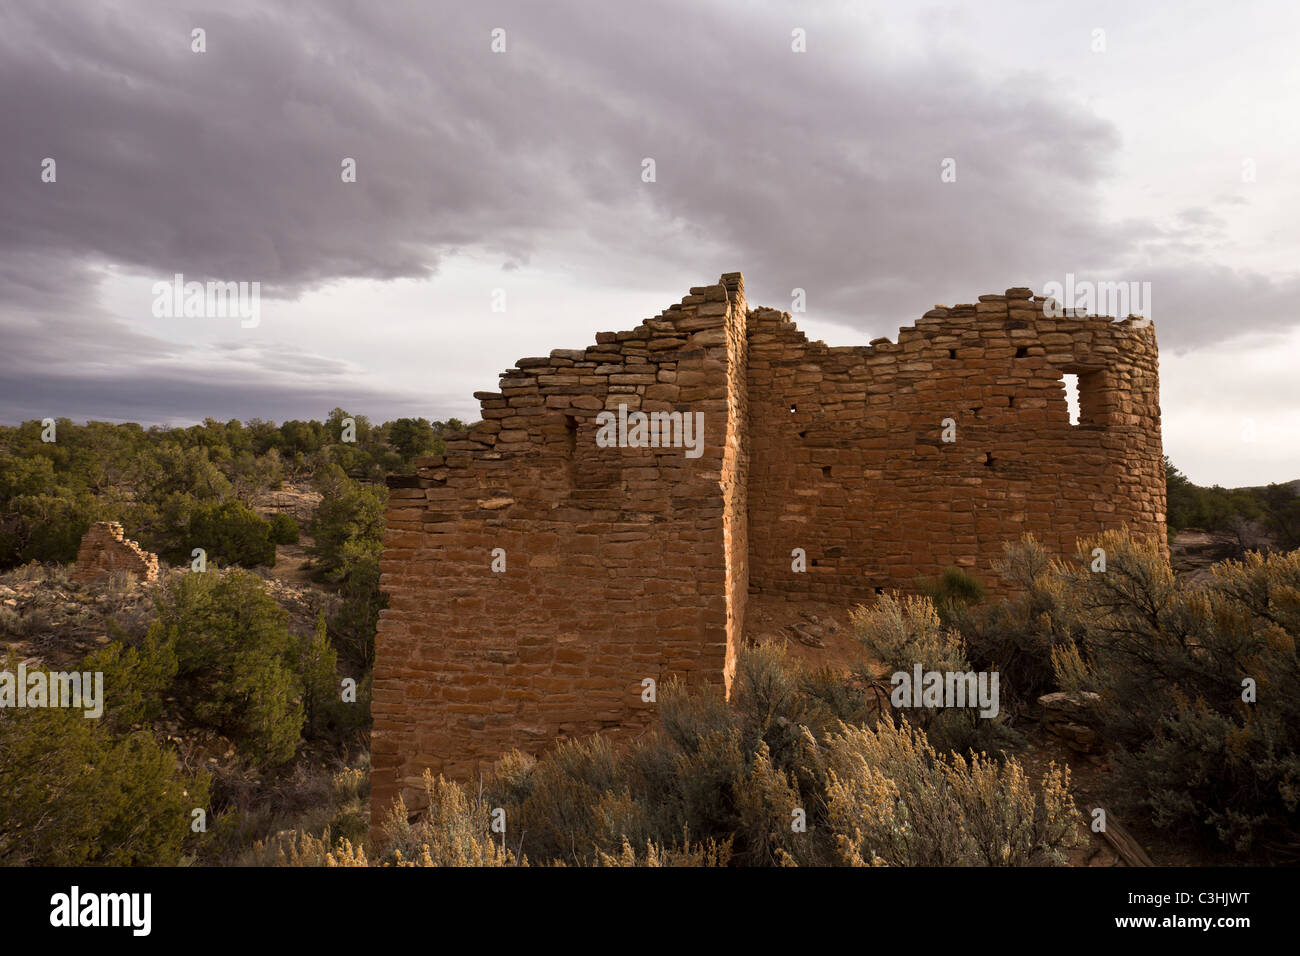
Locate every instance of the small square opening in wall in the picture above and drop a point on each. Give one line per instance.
(1071, 380)
(1087, 396)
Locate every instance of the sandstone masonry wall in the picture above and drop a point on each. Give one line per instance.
(623, 563)
(105, 549)
(850, 462)
(615, 558)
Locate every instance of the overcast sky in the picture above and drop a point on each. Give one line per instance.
(1163, 149)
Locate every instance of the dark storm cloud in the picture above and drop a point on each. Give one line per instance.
(818, 171)
(176, 397)
(50, 317)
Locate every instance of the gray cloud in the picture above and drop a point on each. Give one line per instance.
(818, 171)
(173, 397)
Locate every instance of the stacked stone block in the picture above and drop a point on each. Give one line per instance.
(105, 549)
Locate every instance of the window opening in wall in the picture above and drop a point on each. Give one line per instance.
(793, 409)
(1072, 395)
(826, 471)
(1022, 352)
(952, 353)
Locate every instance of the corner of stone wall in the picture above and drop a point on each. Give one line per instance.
(735, 470)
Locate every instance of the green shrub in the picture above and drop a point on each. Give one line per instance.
(1170, 664)
(231, 533)
(411, 437)
(319, 668)
(238, 666)
(154, 480)
(25, 477)
(455, 830)
(770, 805)
(251, 474)
(312, 818)
(137, 679)
(1017, 637)
(688, 854)
(727, 782)
(45, 528)
(895, 801)
(353, 626)
(1243, 512)
(899, 633)
(952, 591)
(1281, 513)
(72, 794)
(348, 524)
(284, 528)
(560, 814)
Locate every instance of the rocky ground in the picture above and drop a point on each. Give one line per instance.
(814, 633)
(46, 615)
(52, 623)
(292, 565)
(1193, 552)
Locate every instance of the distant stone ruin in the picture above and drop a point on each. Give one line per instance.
(603, 526)
(105, 549)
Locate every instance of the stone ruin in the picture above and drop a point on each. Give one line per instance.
(105, 549)
(539, 572)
